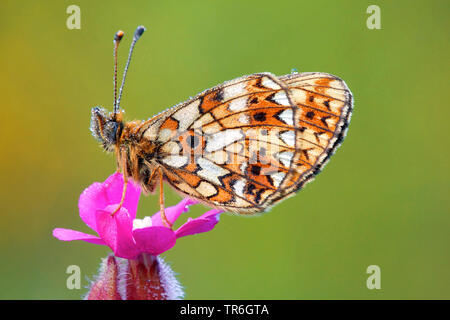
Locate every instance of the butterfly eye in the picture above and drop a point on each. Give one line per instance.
(110, 131)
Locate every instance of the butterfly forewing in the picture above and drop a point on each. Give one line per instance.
(250, 142)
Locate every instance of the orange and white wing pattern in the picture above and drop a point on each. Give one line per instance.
(324, 107)
(248, 143)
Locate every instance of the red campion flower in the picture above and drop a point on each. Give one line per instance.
(140, 274)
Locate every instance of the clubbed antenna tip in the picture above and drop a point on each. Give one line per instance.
(137, 34)
(139, 31)
(119, 35)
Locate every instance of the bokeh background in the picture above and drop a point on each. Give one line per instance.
(382, 200)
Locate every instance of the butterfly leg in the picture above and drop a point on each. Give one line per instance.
(124, 192)
(125, 184)
(161, 200)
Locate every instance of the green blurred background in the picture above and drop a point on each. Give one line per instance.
(382, 200)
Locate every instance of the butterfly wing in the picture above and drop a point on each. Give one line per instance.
(324, 106)
(248, 143)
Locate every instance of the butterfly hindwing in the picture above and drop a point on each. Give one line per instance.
(324, 105)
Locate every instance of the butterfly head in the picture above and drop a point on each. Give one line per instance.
(106, 128)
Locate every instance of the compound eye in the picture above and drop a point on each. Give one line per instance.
(111, 131)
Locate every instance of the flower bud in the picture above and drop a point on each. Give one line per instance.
(146, 278)
(106, 284)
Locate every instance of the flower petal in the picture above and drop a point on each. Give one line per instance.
(70, 235)
(204, 223)
(116, 232)
(92, 199)
(172, 213)
(154, 240)
(114, 189)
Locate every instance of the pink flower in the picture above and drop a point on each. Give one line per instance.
(127, 236)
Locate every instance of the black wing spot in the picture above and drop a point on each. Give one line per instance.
(310, 114)
(323, 119)
(249, 188)
(256, 170)
(269, 180)
(305, 152)
(270, 98)
(219, 96)
(260, 116)
(258, 195)
(258, 83)
(200, 104)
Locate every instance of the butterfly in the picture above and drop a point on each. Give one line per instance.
(241, 146)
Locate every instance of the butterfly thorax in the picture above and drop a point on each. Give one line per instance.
(137, 157)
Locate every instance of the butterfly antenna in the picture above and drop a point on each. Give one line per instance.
(137, 34)
(117, 37)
